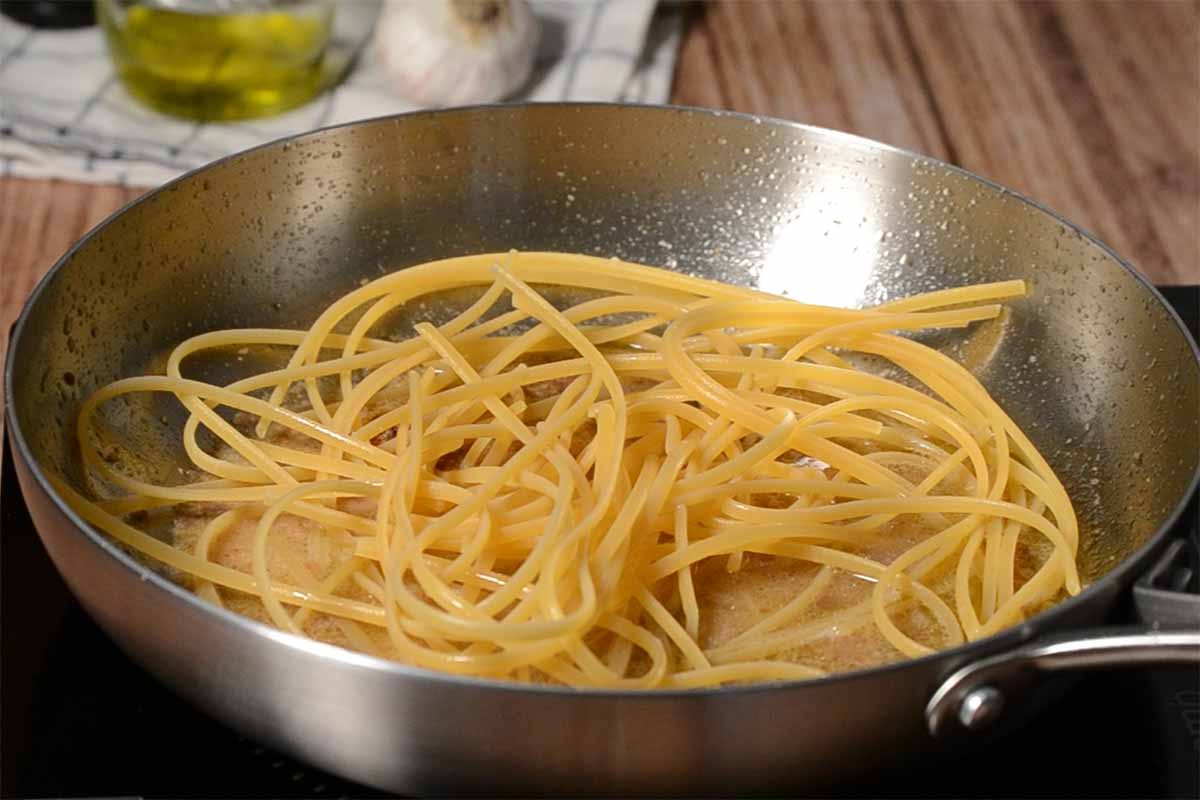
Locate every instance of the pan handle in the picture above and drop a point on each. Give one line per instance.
(973, 697)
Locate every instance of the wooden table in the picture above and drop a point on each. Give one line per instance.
(1092, 108)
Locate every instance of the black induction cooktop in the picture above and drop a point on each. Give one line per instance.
(78, 719)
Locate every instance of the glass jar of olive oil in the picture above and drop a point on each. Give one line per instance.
(218, 59)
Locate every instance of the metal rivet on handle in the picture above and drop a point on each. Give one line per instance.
(980, 707)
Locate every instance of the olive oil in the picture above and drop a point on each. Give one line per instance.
(218, 59)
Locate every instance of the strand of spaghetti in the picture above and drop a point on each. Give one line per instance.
(1008, 556)
(530, 567)
(620, 650)
(385, 534)
(792, 486)
(689, 375)
(148, 495)
(676, 457)
(771, 445)
(749, 537)
(380, 378)
(219, 338)
(459, 323)
(1046, 488)
(227, 433)
(496, 384)
(479, 577)
(791, 610)
(801, 374)
(395, 540)
(945, 377)
(212, 531)
(867, 428)
(289, 419)
(1056, 495)
(941, 472)
(687, 588)
(744, 672)
(718, 436)
(649, 643)
(467, 374)
(471, 591)
(541, 333)
(806, 530)
(378, 352)
(999, 290)
(931, 412)
(272, 603)
(681, 638)
(535, 305)
(725, 438)
(265, 336)
(1044, 584)
(946, 505)
(967, 614)
(219, 491)
(594, 671)
(554, 593)
(847, 620)
(301, 465)
(578, 271)
(993, 537)
(950, 538)
(429, 582)
(473, 338)
(502, 597)
(470, 554)
(786, 335)
(356, 400)
(474, 270)
(925, 596)
(846, 333)
(610, 555)
(574, 545)
(207, 570)
(329, 585)
(558, 456)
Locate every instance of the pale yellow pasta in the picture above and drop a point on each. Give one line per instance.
(577, 493)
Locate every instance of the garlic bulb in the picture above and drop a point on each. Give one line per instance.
(456, 52)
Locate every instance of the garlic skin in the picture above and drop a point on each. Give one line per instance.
(456, 52)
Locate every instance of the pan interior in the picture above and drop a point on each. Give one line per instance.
(1090, 365)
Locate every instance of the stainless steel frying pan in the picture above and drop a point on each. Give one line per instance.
(1093, 365)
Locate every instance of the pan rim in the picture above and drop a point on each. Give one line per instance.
(955, 656)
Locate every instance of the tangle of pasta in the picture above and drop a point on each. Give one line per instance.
(670, 483)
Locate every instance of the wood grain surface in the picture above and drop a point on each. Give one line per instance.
(1091, 108)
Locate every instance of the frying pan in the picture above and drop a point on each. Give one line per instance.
(1093, 365)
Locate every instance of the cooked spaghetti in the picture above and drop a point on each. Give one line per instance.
(661, 482)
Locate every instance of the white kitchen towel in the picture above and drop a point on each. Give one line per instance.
(64, 114)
